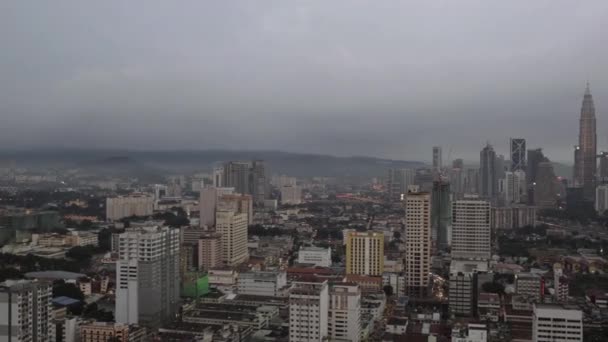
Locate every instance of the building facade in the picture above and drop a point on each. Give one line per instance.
(257, 283)
(556, 323)
(471, 233)
(317, 256)
(417, 242)
(232, 226)
(585, 156)
(518, 154)
(365, 253)
(147, 276)
(26, 311)
(126, 206)
(344, 312)
(308, 311)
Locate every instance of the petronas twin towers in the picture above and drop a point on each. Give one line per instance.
(585, 154)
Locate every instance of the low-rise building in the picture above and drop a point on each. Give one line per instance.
(552, 322)
(315, 255)
(261, 283)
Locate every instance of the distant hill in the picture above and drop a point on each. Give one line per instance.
(295, 164)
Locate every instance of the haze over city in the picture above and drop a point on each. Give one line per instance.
(384, 79)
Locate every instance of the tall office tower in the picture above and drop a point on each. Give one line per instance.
(237, 176)
(394, 184)
(441, 213)
(471, 181)
(487, 173)
(259, 184)
(208, 203)
(218, 177)
(344, 312)
(545, 190)
(242, 204)
(500, 167)
(232, 226)
(535, 157)
(417, 242)
(308, 311)
(126, 206)
(457, 182)
(26, 311)
(471, 234)
(437, 159)
(553, 322)
(518, 154)
(458, 164)
(515, 187)
(603, 170)
(365, 253)
(210, 251)
(601, 199)
(147, 276)
(585, 163)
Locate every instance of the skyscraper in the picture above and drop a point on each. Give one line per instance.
(147, 276)
(441, 213)
(518, 154)
(397, 182)
(471, 234)
(247, 178)
(232, 225)
(585, 163)
(417, 242)
(365, 253)
(545, 187)
(488, 173)
(437, 159)
(515, 187)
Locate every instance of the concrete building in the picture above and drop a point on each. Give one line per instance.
(257, 283)
(417, 242)
(242, 204)
(344, 312)
(601, 198)
(515, 187)
(461, 294)
(365, 253)
(108, 331)
(473, 332)
(208, 203)
(247, 178)
(308, 311)
(513, 217)
(315, 255)
(545, 187)
(398, 181)
(291, 194)
(210, 251)
(26, 311)
(471, 234)
(126, 206)
(437, 159)
(147, 276)
(232, 226)
(441, 213)
(531, 285)
(556, 323)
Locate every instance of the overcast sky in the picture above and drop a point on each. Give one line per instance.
(343, 77)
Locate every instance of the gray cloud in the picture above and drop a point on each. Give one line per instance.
(345, 77)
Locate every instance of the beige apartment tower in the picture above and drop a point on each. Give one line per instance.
(365, 253)
(418, 242)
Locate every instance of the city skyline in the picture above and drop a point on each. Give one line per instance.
(341, 89)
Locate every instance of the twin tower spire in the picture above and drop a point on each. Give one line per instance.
(585, 155)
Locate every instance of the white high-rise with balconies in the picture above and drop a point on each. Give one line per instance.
(471, 233)
(147, 276)
(308, 311)
(554, 322)
(26, 311)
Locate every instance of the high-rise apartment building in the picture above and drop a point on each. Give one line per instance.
(518, 154)
(126, 206)
(417, 242)
(147, 276)
(585, 160)
(488, 173)
(26, 311)
(365, 253)
(208, 203)
(441, 213)
(437, 159)
(553, 322)
(247, 178)
(515, 216)
(308, 311)
(398, 181)
(242, 204)
(471, 234)
(344, 312)
(291, 194)
(471, 181)
(461, 291)
(601, 199)
(210, 251)
(232, 226)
